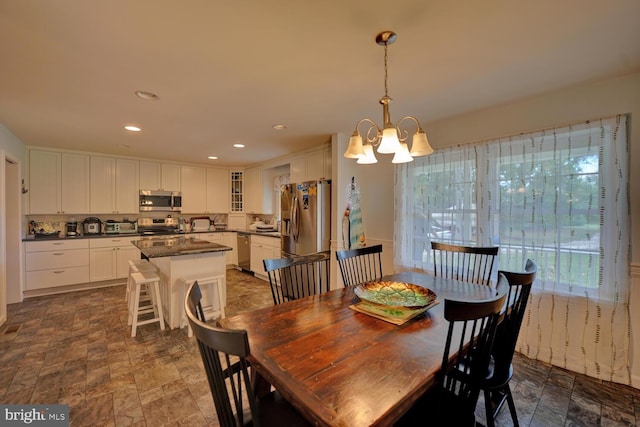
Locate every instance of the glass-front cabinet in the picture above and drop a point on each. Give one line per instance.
(237, 191)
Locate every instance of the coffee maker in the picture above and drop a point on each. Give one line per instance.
(72, 228)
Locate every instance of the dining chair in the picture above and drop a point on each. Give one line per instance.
(496, 388)
(466, 263)
(465, 360)
(302, 276)
(230, 384)
(360, 265)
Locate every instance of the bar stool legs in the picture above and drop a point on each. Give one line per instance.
(149, 282)
(214, 287)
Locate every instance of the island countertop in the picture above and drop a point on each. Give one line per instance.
(177, 245)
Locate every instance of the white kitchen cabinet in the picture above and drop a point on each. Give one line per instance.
(194, 189)
(263, 247)
(237, 191)
(230, 239)
(109, 257)
(55, 263)
(159, 176)
(311, 166)
(114, 185)
(255, 194)
(237, 222)
(58, 182)
(210, 237)
(217, 190)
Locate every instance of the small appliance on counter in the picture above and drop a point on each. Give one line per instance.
(121, 227)
(71, 228)
(200, 223)
(92, 225)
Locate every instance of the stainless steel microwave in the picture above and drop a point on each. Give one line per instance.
(160, 201)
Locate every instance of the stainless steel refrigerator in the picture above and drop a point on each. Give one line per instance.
(306, 217)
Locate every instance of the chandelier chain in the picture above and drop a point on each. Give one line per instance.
(386, 73)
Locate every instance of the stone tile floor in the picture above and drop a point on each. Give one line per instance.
(75, 348)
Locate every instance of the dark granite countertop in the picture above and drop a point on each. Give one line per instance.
(32, 238)
(177, 245)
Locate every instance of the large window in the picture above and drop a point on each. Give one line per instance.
(557, 197)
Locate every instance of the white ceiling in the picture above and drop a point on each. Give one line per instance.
(226, 71)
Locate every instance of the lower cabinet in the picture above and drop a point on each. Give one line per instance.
(55, 263)
(231, 239)
(263, 247)
(109, 257)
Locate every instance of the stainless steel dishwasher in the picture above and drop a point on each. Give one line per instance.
(244, 251)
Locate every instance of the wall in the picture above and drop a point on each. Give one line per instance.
(561, 107)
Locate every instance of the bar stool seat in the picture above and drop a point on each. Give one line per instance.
(136, 265)
(145, 282)
(213, 287)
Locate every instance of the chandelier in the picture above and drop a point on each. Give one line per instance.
(391, 139)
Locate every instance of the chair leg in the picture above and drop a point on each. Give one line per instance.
(512, 406)
(488, 408)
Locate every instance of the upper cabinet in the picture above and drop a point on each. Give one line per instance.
(257, 199)
(237, 191)
(311, 166)
(217, 190)
(58, 182)
(205, 190)
(114, 185)
(194, 189)
(160, 176)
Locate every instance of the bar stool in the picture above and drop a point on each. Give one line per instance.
(145, 282)
(136, 265)
(213, 286)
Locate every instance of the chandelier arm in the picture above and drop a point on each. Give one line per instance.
(372, 133)
(405, 134)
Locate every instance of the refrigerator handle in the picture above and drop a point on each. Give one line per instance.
(295, 218)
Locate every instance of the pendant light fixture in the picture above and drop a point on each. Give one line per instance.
(390, 139)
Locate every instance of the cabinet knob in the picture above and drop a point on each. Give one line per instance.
(59, 253)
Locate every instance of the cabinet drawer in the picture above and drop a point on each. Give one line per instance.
(112, 242)
(56, 245)
(57, 259)
(57, 277)
(265, 241)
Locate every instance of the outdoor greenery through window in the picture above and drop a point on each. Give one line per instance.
(556, 196)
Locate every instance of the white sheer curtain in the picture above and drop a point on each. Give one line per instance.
(559, 197)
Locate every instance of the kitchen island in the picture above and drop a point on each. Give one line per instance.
(184, 257)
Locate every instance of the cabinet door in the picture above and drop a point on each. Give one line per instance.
(194, 189)
(103, 191)
(315, 165)
(127, 186)
(123, 255)
(253, 185)
(74, 184)
(298, 169)
(150, 175)
(44, 182)
(170, 177)
(231, 240)
(102, 264)
(217, 190)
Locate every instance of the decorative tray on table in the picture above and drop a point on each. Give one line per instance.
(394, 302)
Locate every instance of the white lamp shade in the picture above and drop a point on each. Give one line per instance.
(354, 149)
(402, 155)
(369, 157)
(390, 142)
(420, 145)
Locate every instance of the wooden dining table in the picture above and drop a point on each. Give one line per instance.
(340, 367)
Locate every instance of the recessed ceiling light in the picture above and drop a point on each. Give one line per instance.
(279, 126)
(213, 157)
(148, 96)
(132, 128)
(238, 145)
